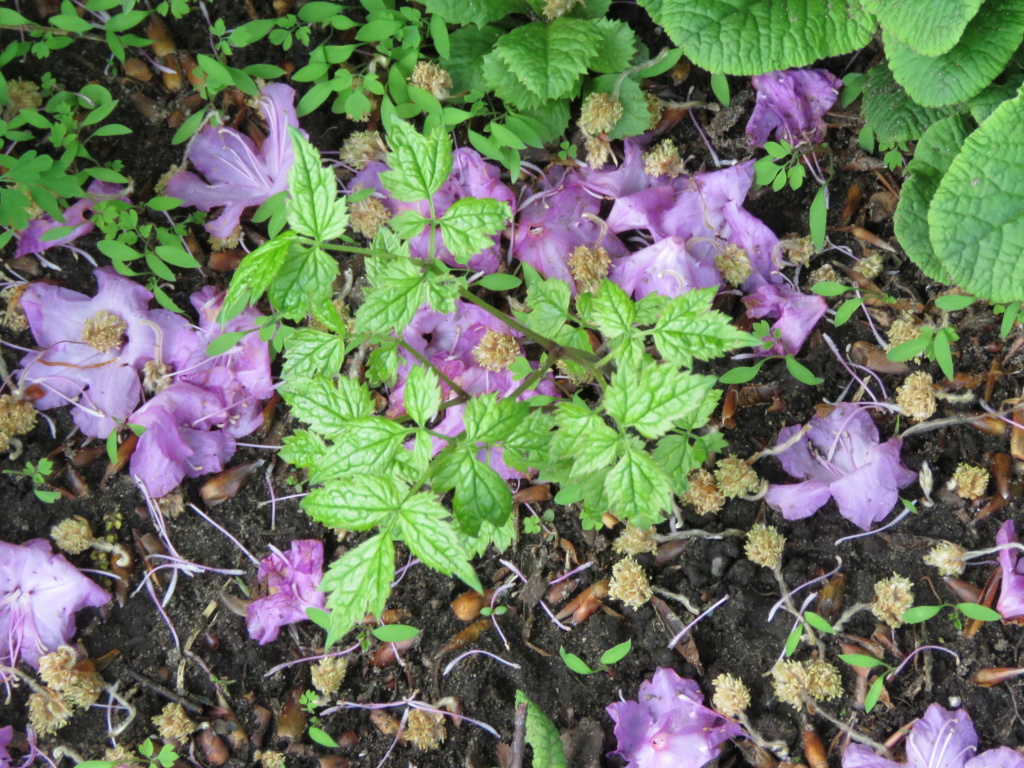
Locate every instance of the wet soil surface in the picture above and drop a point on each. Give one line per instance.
(212, 662)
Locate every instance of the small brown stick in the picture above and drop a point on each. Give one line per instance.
(519, 737)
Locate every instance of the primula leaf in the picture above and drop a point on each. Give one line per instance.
(542, 735)
(976, 221)
(256, 272)
(507, 86)
(304, 282)
(358, 583)
(328, 406)
(422, 394)
(480, 493)
(420, 163)
(480, 12)
(432, 538)
(468, 47)
(309, 352)
(652, 399)
(688, 328)
(983, 51)
(750, 37)
(489, 420)
(616, 49)
(314, 209)
(396, 294)
(469, 225)
(357, 503)
(890, 111)
(636, 487)
(548, 58)
(902, 19)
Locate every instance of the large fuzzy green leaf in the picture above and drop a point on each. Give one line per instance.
(976, 218)
(751, 37)
(935, 151)
(891, 113)
(478, 12)
(904, 20)
(986, 46)
(549, 58)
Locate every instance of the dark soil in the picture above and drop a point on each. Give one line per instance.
(215, 655)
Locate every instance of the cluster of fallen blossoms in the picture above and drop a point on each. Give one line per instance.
(101, 354)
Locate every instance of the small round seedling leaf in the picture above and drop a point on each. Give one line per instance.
(861, 660)
(874, 692)
(616, 653)
(818, 622)
(921, 613)
(978, 612)
(395, 633)
(794, 639)
(574, 662)
(321, 738)
(500, 282)
(954, 302)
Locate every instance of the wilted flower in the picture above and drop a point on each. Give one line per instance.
(703, 493)
(47, 712)
(916, 396)
(433, 78)
(555, 8)
(30, 239)
(893, 597)
(327, 674)
(794, 681)
(840, 457)
(629, 583)
(795, 315)
(791, 105)
(667, 267)
(1011, 592)
(669, 726)
(235, 174)
(970, 482)
(664, 160)
(764, 546)
(40, 592)
(361, 148)
(424, 730)
(599, 113)
(636, 541)
(292, 581)
(173, 723)
(732, 697)
(736, 478)
(948, 558)
(940, 739)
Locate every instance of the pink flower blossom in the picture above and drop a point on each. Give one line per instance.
(666, 267)
(292, 581)
(940, 739)
(1011, 591)
(76, 215)
(795, 315)
(669, 726)
(840, 457)
(40, 592)
(791, 104)
(235, 174)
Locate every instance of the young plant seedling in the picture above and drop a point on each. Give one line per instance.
(844, 311)
(796, 369)
(309, 702)
(165, 758)
(611, 656)
(38, 474)
(816, 621)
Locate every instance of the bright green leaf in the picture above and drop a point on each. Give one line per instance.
(358, 583)
(422, 394)
(469, 225)
(548, 58)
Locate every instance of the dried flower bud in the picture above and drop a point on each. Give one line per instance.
(654, 109)
(17, 415)
(703, 493)
(599, 114)
(555, 8)
(893, 597)
(118, 754)
(764, 546)
(424, 730)
(14, 316)
(799, 250)
(789, 679)
(629, 583)
(734, 264)
(155, 377)
(826, 273)
(916, 396)
(361, 148)
(173, 724)
(970, 482)
(948, 558)
(635, 541)
(21, 94)
(664, 160)
(430, 77)
(736, 478)
(598, 150)
(823, 680)
(47, 712)
(72, 535)
(589, 267)
(870, 266)
(327, 674)
(496, 351)
(903, 329)
(732, 697)
(269, 758)
(367, 216)
(55, 668)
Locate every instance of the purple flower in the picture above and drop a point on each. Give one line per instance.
(237, 174)
(796, 315)
(292, 581)
(471, 176)
(669, 726)
(94, 348)
(666, 268)
(791, 105)
(940, 739)
(6, 734)
(39, 595)
(839, 457)
(1011, 592)
(30, 240)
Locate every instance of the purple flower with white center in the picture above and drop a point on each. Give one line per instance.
(940, 739)
(40, 592)
(76, 215)
(292, 581)
(471, 176)
(94, 348)
(669, 726)
(235, 174)
(666, 268)
(1011, 592)
(840, 457)
(178, 440)
(791, 104)
(795, 315)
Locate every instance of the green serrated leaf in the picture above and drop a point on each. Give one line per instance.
(367, 446)
(420, 163)
(434, 540)
(304, 282)
(689, 329)
(653, 399)
(357, 503)
(422, 394)
(490, 420)
(358, 583)
(479, 12)
(549, 58)
(309, 352)
(542, 736)
(637, 489)
(583, 435)
(468, 47)
(902, 20)
(397, 292)
(313, 209)
(890, 111)
(328, 405)
(617, 47)
(469, 225)
(480, 493)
